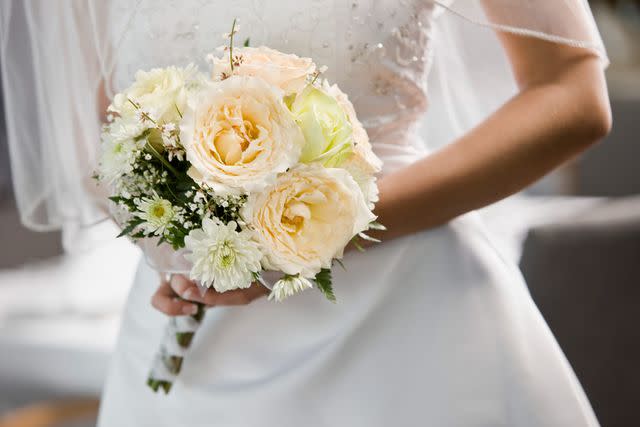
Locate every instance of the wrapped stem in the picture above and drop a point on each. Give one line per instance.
(176, 340)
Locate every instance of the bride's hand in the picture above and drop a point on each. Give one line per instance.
(177, 297)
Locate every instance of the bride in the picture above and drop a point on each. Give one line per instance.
(433, 326)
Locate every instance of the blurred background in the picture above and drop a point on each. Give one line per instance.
(575, 234)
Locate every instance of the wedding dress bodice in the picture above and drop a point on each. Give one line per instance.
(378, 51)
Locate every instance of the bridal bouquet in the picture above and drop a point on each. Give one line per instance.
(261, 165)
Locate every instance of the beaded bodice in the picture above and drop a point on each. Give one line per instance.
(378, 51)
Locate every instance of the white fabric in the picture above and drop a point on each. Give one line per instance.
(431, 329)
(52, 81)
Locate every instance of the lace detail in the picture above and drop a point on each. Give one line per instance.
(378, 51)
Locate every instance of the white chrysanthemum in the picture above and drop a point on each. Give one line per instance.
(119, 149)
(157, 214)
(288, 286)
(222, 257)
(160, 91)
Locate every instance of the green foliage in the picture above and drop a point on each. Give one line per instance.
(131, 225)
(355, 241)
(184, 339)
(375, 225)
(174, 186)
(324, 283)
(155, 385)
(364, 236)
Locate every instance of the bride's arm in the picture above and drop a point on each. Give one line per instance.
(562, 108)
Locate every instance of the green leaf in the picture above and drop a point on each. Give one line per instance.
(142, 136)
(375, 225)
(324, 283)
(128, 203)
(184, 183)
(246, 42)
(150, 148)
(131, 225)
(166, 386)
(357, 244)
(200, 313)
(172, 363)
(184, 339)
(339, 261)
(369, 238)
(158, 384)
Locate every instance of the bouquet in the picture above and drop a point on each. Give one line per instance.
(261, 165)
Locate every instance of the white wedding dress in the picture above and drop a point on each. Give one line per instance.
(433, 329)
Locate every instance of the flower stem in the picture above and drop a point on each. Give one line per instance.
(161, 159)
(167, 366)
(233, 31)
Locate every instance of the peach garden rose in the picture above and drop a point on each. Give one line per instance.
(287, 71)
(238, 135)
(306, 218)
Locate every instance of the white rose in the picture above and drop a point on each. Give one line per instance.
(307, 218)
(363, 174)
(286, 71)
(362, 147)
(362, 162)
(238, 135)
(162, 92)
(326, 127)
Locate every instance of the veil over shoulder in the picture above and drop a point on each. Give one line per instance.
(58, 58)
(471, 75)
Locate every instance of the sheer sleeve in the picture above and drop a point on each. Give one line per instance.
(568, 22)
(53, 95)
(471, 77)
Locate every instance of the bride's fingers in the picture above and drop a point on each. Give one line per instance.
(186, 288)
(166, 301)
(238, 296)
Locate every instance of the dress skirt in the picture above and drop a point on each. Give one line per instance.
(433, 329)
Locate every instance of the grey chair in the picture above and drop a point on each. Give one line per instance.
(584, 274)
